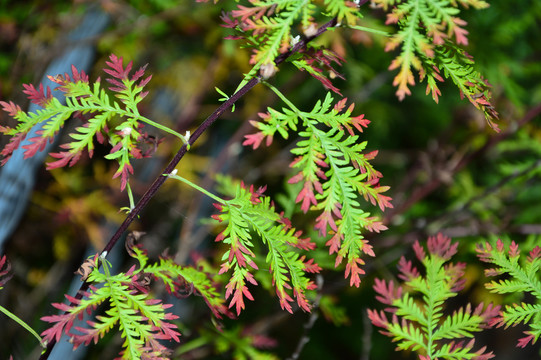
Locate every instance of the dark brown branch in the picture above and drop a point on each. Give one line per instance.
(158, 182)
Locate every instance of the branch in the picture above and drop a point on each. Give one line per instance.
(158, 182)
(310, 323)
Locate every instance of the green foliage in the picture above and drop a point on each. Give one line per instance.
(237, 343)
(330, 170)
(428, 36)
(333, 312)
(417, 307)
(268, 26)
(142, 320)
(334, 171)
(251, 212)
(83, 98)
(523, 278)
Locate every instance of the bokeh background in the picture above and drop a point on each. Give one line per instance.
(448, 171)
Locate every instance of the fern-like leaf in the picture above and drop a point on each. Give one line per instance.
(524, 278)
(268, 27)
(92, 100)
(250, 212)
(430, 33)
(417, 307)
(143, 321)
(335, 173)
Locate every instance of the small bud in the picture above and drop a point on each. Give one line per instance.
(295, 40)
(310, 30)
(126, 131)
(267, 70)
(103, 255)
(187, 136)
(174, 172)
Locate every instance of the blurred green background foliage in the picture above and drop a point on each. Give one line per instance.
(448, 171)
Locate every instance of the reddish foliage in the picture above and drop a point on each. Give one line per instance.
(239, 290)
(378, 319)
(36, 145)
(13, 144)
(65, 80)
(5, 268)
(408, 272)
(524, 341)
(11, 108)
(354, 270)
(65, 158)
(387, 293)
(36, 96)
(441, 245)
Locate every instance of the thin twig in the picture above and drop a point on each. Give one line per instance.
(158, 182)
(366, 339)
(314, 314)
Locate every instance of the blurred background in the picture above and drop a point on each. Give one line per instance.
(448, 171)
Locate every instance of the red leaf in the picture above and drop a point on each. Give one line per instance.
(36, 96)
(140, 73)
(310, 266)
(387, 293)
(326, 219)
(441, 245)
(306, 196)
(334, 245)
(124, 172)
(36, 145)
(11, 108)
(408, 272)
(534, 254)
(301, 300)
(254, 140)
(65, 158)
(378, 319)
(285, 300)
(354, 271)
(523, 342)
(460, 33)
(13, 144)
(117, 68)
(359, 122)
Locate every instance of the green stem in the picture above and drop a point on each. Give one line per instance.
(106, 265)
(130, 196)
(283, 98)
(197, 187)
(23, 324)
(99, 106)
(165, 128)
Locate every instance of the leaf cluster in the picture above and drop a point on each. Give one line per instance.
(143, 320)
(118, 123)
(521, 277)
(250, 212)
(429, 35)
(269, 28)
(334, 172)
(419, 321)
